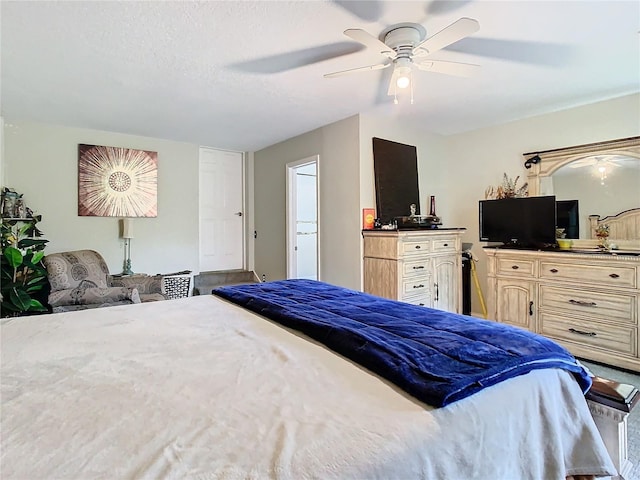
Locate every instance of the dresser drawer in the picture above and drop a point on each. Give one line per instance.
(614, 276)
(415, 248)
(614, 338)
(443, 245)
(422, 300)
(414, 268)
(581, 302)
(509, 266)
(418, 286)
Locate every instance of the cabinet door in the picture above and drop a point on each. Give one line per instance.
(515, 303)
(446, 271)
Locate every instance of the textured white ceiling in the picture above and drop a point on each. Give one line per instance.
(243, 75)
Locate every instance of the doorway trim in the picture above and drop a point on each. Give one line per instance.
(291, 226)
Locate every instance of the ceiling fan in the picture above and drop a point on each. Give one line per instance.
(601, 164)
(597, 160)
(406, 45)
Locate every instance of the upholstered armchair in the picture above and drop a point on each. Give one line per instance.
(150, 287)
(80, 280)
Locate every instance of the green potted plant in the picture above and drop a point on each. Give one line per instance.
(23, 275)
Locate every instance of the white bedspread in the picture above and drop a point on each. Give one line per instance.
(199, 388)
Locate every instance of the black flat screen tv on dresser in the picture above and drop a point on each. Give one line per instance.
(527, 222)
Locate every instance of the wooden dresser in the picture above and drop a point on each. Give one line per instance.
(588, 302)
(423, 267)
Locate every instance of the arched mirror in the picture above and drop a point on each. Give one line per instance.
(595, 184)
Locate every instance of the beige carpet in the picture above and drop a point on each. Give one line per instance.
(634, 417)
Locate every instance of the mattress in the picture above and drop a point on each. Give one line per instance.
(201, 388)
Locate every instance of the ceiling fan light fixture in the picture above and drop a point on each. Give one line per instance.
(403, 73)
(403, 81)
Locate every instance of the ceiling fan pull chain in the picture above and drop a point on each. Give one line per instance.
(411, 81)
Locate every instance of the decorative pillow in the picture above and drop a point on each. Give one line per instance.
(146, 284)
(79, 269)
(93, 296)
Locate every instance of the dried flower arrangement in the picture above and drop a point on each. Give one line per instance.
(508, 189)
(602, 231)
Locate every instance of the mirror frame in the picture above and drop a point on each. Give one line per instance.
(551, 160)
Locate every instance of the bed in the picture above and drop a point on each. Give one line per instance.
(624, 227)
(203, 388)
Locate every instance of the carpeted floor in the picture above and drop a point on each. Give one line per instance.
(634, 417)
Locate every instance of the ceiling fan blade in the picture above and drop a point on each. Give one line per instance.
(369, 10)
(369, 40)
(448, 68)
(458, 30)
(534, 53)
(392, 90)
(442, 7)
(584, 162)
(297, 58)
(378, 66)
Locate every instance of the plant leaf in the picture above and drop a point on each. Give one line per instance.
(36, 279)
(20, 299)
(37, 256)
(14, 256)
(36, 306)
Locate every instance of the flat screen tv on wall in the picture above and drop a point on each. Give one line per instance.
(528, 222)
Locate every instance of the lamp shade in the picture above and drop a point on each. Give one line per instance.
(127, 228)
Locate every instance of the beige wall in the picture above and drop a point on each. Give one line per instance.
(478, 159)
(346, 187)
(338, 173)
(41, 161)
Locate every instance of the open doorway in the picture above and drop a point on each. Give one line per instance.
(302, 219)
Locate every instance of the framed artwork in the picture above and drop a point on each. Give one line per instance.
(117, 182)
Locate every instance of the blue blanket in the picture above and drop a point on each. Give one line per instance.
(436, 356)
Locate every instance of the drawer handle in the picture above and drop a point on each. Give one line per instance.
(580, 332)
(437, 291)
(554, 270)
(515, 267)
(583, 304)
(418, 286)
(614, 275)
(418, 267)
(446, 245)
(421, 304)
(417, 247)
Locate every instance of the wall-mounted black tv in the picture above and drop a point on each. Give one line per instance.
(519, 222)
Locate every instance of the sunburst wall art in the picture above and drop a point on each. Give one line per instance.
(117, 182)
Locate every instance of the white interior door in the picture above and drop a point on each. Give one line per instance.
(221, 210)
(302, 219)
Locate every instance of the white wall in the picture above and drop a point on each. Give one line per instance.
(478, 159)
(338, 171)
(41, 161)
